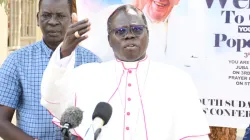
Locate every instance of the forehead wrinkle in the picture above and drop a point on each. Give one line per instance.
(51, 5)
(54, 10)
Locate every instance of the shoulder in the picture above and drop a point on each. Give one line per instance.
(11, 68)
(88, 66)
(26, 50)
(88, 74)
(81, 49)
(169, 70)
(94, 67)
(177, 81)
(18, 55)
(86, 54)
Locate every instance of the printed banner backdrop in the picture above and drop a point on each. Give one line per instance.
(209, 39)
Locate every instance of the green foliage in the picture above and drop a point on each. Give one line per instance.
(5, 4)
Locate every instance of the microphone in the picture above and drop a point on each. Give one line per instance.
(71, 118)
(100, 117)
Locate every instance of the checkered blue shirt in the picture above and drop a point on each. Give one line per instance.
(20, 81)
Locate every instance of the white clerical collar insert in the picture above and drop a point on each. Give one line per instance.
(132, 65)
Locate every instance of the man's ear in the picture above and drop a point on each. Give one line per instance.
(108, 37)
(109, 40)
(74, 18)
(37, 19)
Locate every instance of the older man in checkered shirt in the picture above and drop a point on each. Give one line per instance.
(21, 74)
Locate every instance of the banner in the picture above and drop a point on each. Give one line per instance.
(209, 39)
(225, 81)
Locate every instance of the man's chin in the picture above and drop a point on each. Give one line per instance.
(158, 18)
(133, 58)
(53, 40)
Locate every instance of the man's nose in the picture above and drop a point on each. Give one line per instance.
(129, 35)
(53, 21)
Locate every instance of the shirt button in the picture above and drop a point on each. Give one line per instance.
(127, 128)
(128, 113)
(130, 71)
(129, 85)
(129, 99)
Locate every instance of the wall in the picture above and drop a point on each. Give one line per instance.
(39, 34)
(3, 34)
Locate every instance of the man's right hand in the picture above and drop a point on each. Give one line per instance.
(71, 39)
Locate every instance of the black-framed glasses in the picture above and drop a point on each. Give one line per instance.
(136, 30)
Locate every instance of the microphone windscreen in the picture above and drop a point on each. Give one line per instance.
(104, 111)
(72, 116)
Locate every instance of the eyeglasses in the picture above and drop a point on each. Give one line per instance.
(136, 30)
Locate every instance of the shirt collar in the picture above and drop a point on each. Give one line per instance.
(47, 50)
(131, 65)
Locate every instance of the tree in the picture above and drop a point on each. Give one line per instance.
(74, 10)
(5, 4)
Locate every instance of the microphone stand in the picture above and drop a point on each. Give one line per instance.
(66, 133)
(97, 133)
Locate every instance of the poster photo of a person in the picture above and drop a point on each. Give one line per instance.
(159, 14)
(156, 10)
